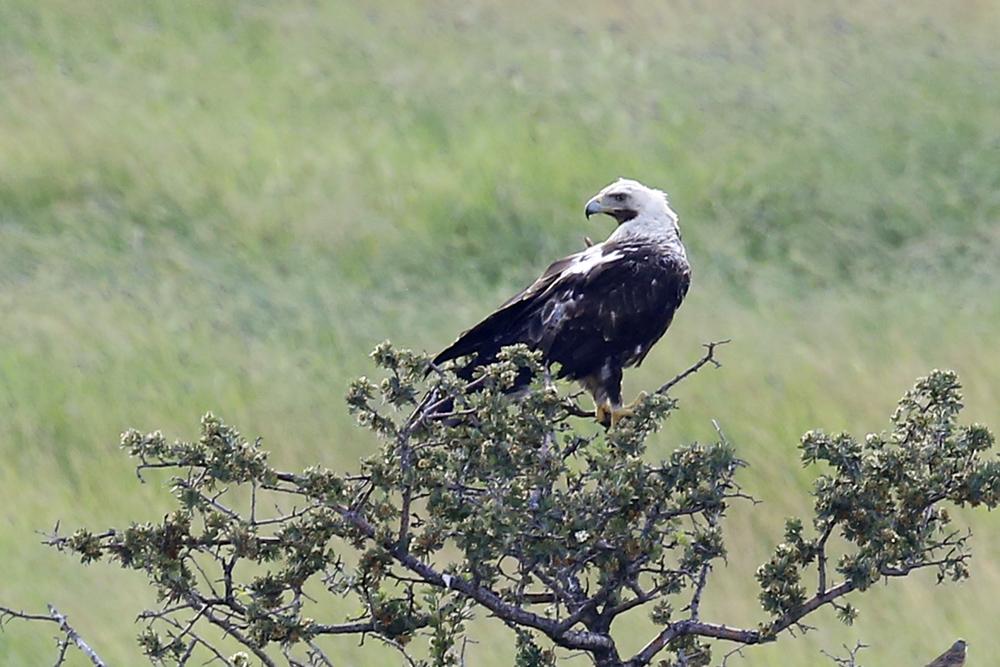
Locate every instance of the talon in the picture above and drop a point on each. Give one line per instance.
(624, 411)
(609, 416)
(604, 413)
(638, 399)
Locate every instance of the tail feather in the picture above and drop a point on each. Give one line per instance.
(504, 327)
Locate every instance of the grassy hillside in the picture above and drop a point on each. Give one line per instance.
(224, 206)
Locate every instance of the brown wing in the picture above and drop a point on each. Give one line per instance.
(505, 325)
(610, 302)
(615, 312)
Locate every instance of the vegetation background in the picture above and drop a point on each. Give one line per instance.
(224, 206)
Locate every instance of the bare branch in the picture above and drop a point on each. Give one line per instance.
(708, 358)
(317, 656)
(6, 613)
(59, 619)
(71, 635)
(852, 654)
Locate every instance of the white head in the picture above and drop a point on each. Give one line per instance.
(640, 211)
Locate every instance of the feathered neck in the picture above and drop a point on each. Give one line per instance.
(658, 227)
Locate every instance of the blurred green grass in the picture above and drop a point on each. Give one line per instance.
(224, 207)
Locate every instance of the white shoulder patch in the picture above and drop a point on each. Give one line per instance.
(590, 259)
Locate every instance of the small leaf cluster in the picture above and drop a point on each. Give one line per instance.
(510, 492)
(221, 452)
(494, 492)
(882, 496)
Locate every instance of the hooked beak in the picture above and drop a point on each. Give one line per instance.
(594, 206)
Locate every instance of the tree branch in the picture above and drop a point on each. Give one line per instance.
(63, 622)
(586, 641)
(708, 358)
(13, 613)
(204, 607)
(71, 635)
(689, 627)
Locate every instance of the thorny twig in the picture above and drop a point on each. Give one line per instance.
(708, 358)
(573, 409)
(72, 637)
(851, 660)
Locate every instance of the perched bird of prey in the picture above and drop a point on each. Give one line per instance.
(953, 657)
(600, 310)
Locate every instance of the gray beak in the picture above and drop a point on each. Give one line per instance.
(593, 206)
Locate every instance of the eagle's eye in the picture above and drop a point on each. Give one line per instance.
(618, 196)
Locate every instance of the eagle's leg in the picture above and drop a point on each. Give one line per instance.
(606, 388)
(627, 410)
(604, 413)
(609, 415)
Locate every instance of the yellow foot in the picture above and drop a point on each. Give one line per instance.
(609, 416)
(603, 413)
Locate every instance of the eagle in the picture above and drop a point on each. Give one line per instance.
(598, 311)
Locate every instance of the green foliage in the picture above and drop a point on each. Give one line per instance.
(883, 497)
(483, 498)
(190, 219)
(529, 654)
(478, 497)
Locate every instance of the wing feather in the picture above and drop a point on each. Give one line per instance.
(607, 302)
